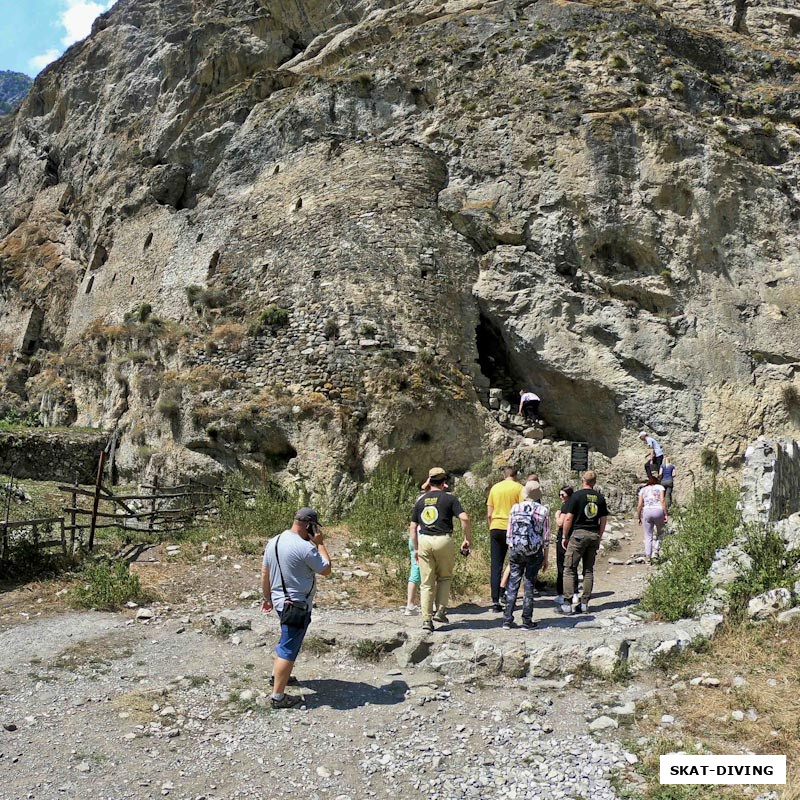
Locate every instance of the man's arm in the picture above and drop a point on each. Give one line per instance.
(413, 532)
(466, 525)
(567, 527)
(319, 543)
(603, 521)
(489, 513)
(266, 589)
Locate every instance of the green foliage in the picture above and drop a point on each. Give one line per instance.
(773, 567)
(368, 329)
(194, 293)
(679, 87)
(270, 319)
(617, 62)
(14, 419)
(331, 328)
(368, 650)
(709, 459)
(263, 515)
(108, 587)
(707, 523)
(379, 517)
(790, 397)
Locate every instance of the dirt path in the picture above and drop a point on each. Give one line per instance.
(125, 709)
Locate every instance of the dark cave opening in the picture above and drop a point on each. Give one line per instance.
(580, 408)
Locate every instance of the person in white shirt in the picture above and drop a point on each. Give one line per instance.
(529, 404)
(655, 454)
(652, 513)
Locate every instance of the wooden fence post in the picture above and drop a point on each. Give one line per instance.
(98, 483)
(73, 517)
(9, 489)
(151, 522)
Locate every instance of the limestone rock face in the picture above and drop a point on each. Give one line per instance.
(309, 237)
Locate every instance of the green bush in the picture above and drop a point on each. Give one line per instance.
(379, 517)
(108, 587)
(14, 419)
(270, 319)
(263, 515)
(773, 567)
(707, 523)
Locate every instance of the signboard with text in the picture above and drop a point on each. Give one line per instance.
(579, 457)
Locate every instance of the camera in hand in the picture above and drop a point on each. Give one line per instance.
(465, 551)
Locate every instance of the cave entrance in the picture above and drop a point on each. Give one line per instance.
(495, 361)
(575, 401)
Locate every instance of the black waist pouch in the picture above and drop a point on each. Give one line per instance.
(295, 615)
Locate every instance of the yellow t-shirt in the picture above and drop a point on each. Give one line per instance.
(502, 496)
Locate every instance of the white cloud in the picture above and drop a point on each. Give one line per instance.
(77, 19)
(38, 63)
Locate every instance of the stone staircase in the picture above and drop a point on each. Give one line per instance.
(506, 416)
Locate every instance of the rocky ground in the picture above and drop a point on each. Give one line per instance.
(175, 703)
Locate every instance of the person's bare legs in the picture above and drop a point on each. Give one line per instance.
(282, 670)
(412, 594)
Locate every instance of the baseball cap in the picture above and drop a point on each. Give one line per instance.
(642, 433)
(436, 472)
(306, 514)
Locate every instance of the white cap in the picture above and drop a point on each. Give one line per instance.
(642, 434)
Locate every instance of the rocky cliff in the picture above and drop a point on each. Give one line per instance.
(310, 237)
(13, 88)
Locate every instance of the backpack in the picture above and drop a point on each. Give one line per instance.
(527, 528)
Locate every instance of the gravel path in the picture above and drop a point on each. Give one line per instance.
(103, 704)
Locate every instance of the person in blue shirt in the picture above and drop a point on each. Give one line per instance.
(667, 478)
(655, 455)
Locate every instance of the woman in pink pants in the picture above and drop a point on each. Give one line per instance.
(652, 511)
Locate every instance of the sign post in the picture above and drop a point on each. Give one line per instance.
(579, 457)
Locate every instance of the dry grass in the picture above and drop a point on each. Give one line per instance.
(756, 654)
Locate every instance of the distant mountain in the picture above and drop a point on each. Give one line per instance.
(13, 88)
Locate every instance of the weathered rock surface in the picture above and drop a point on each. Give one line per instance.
(310, 236)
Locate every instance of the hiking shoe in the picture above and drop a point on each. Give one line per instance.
(427, 625)
(291, 682)
(287, 701)
(528, 624)
(441, 616)
(497, 607)
(410, 610)
(566, 608)
(559, 601)
(507, 626)
(584, 607)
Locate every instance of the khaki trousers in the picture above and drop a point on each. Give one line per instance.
(437, 557)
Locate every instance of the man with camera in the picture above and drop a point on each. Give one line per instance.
(431, 532)
(292, 560)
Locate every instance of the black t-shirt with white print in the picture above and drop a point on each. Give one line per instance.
(434, 512)
(588, 507)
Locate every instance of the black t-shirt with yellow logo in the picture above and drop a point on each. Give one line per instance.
(587, 507)
(434, 512)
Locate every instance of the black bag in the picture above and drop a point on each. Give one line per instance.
(294, 614)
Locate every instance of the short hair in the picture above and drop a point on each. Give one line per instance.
(510, 472)
(589, 477)
(532, 477)
(438, 480)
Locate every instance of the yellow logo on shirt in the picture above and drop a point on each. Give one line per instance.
(429, 515)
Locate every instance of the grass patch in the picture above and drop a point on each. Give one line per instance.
(772, 567)
(707, 523)
(368, 650)
(317, 646)
(108, 587)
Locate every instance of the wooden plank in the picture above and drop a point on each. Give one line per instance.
(25, 523)
(187, 512)
(97, 486)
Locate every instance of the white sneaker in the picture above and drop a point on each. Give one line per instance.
(575, 603)
(584, 607)
(566, 608)
(559, 601)
(411, 610)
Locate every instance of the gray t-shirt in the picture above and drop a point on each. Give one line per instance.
(300, 561)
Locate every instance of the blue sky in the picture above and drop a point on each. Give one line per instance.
(35, 32)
